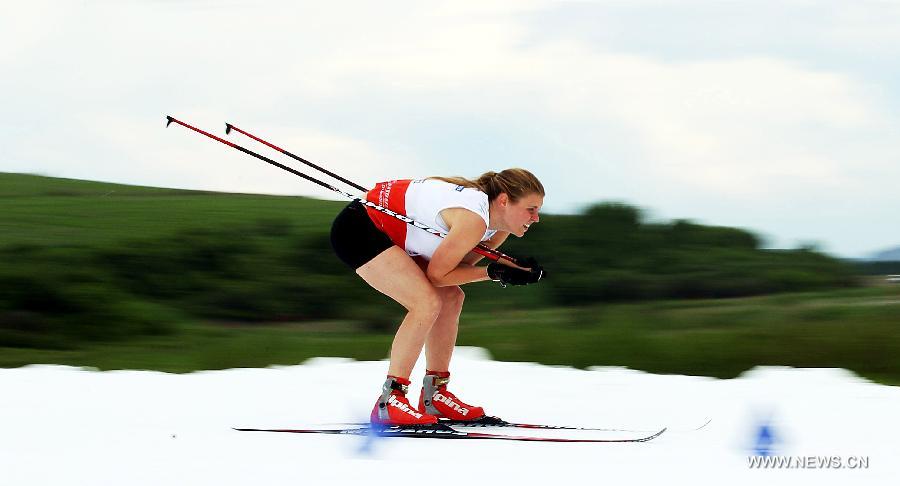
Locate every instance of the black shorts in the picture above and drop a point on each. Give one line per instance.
(355, 238)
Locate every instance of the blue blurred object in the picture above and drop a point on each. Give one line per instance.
(367, 445)
(766, 439)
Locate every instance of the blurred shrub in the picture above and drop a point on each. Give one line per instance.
(267, 270)
(259, 273)
(58, 309)
(610, 254)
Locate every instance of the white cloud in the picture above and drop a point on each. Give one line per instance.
(24, 25)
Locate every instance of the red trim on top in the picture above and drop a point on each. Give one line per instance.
(391, 195)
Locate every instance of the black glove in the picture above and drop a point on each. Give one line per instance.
(529, 262)
(536, 268)
(507, 275)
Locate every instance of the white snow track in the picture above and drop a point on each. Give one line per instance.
(70, 426)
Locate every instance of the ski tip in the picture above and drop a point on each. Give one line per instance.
(651, 437)
(169, 120)
(708, 420)
(227, 128)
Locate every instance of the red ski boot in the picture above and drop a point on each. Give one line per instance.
(437, 401)
(392, 407)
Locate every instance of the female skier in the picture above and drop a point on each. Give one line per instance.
(423, 272)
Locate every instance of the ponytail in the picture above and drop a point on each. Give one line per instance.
(516, 183)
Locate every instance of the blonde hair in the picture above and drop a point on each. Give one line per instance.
(516, 183)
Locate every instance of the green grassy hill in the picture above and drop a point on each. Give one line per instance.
(119, 276)
(49, 211)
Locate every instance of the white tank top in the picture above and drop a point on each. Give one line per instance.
(423, 200)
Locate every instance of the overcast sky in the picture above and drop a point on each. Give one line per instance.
(777, 116)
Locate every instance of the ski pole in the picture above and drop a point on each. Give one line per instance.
(229, 127)
(488, 253)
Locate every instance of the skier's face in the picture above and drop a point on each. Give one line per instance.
(520, 215)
